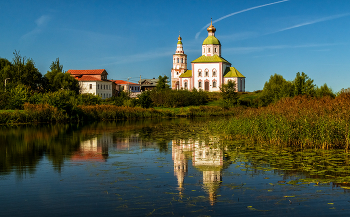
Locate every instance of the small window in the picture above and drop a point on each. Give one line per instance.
(182, 60)
(177, 73)
(185, 84)
(206, 73)
(214, 83)
(98, 86)
(215, 50)
(214, 73)
(209, 50)
(199, 84)
(178, 60)
(90, 86)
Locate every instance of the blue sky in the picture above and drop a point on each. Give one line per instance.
(133, 38)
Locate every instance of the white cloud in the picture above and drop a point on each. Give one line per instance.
(238, 12)
(312, 22)
(246, 50)
(41, 22)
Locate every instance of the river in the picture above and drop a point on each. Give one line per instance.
(174, 167)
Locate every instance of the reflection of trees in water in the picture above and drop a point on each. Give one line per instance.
(23, 147)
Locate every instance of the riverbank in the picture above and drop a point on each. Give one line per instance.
(299, 122)
(44, 113)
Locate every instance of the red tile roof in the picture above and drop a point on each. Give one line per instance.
(86, 72)
(123, 82)
(88, 78)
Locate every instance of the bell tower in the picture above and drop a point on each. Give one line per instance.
(179, 64)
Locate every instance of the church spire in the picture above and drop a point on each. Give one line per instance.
(211, 29)
(179, 47)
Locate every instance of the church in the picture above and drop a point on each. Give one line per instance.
(208, 72)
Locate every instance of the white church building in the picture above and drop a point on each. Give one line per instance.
(209, 71)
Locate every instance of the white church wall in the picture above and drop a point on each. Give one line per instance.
(210, 78)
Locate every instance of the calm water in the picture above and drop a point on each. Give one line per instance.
(163, 168)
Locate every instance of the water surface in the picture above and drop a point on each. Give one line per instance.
(163, 168)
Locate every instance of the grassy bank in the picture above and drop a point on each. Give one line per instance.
(298, 121)
(44, 113)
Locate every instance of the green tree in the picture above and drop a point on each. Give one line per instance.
(324, 90)
(20, 71)
(229, 94)
(162, 83)
(303, 85)
(145, 100)
(56, 79)
(276, 88)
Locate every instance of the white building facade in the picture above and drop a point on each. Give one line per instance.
(93, 82)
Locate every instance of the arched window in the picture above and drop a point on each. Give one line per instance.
(209, 50)
(185, 85)
(178, 60)
(182, 60)
(214, 83)
(215, 50)
(199, 73)
(199, 84)
(214, 72)
(206, 72)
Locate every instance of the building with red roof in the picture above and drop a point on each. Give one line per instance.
(133, 89)
(94, 81)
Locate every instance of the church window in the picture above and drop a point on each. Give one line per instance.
(182, 60)
(178, 60)
(215, 50)
(214, 83)
(98, 86)
(177, 73)
(90, 86)
(199, 84)
(209, 50)
(206, 73)
(199, 73)
(214, 72)
(185, 84)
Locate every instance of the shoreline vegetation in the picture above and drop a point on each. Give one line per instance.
(300, 122)
(44, 113)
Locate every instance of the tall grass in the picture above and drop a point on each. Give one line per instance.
(298, 121)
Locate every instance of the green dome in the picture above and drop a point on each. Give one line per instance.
(211, 40)
(179, 42)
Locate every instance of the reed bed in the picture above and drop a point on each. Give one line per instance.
(298, 121)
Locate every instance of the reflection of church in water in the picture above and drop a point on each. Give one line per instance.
(206, 157)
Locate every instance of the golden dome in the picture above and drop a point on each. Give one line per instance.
(211, 28)
(179, 38)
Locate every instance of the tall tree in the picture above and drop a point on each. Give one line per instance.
(56, 79)
(276, 88)
(303, 85)
(229, 94)
(21, 71)
(162, 83)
